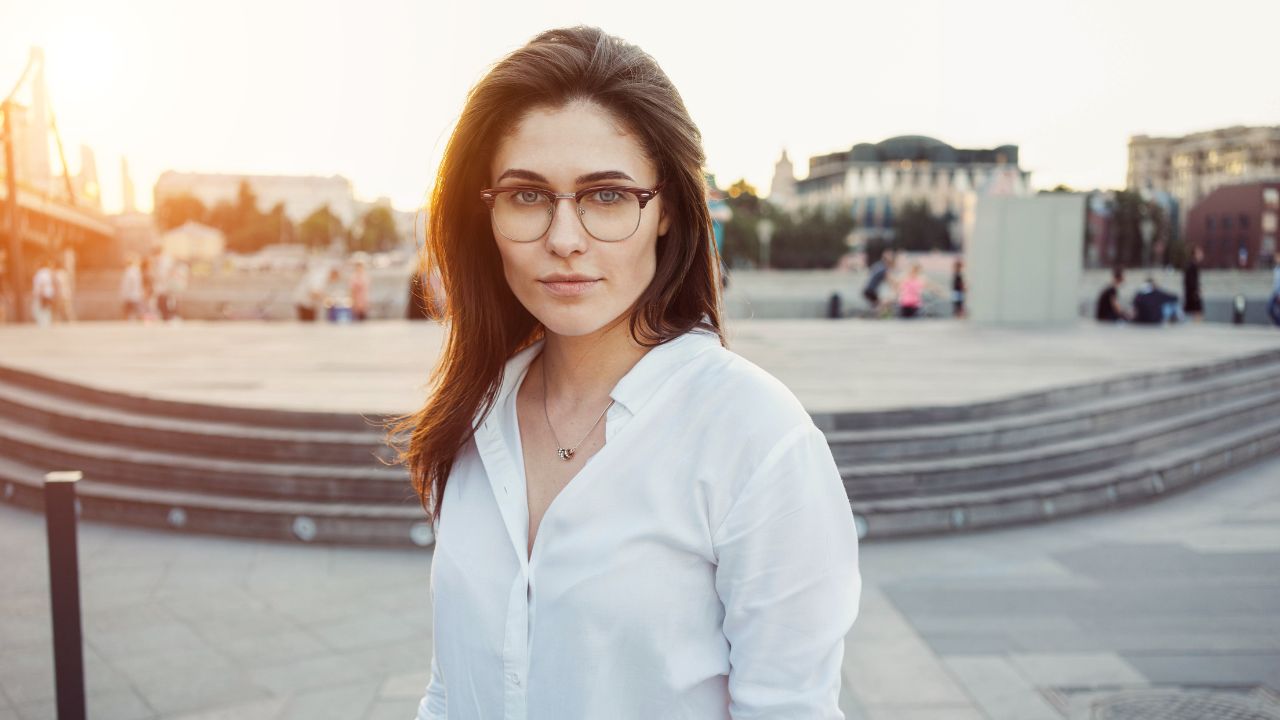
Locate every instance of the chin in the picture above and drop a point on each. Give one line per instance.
(568, 321)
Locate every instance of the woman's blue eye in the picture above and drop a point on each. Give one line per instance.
(607, 197)
(528, 197)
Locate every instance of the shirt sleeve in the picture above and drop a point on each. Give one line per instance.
(433, 705)
(787, 574)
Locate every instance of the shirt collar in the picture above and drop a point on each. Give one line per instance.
(640, 383)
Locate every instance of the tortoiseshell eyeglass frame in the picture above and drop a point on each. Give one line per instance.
(642, 195)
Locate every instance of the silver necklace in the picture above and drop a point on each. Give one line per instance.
(565, 453)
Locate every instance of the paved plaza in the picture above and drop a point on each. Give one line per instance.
(831, 365)
(1026, 623)
(1010, 624)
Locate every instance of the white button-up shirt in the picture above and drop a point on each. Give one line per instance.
(702, 564)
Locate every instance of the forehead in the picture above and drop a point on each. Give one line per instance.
(566, 142)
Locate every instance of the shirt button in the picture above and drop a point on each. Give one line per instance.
(515, 678)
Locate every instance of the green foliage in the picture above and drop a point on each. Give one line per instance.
(178, 210)
(741, 240)
(320, 228)
(247, 228)
(813, 239)
(1127, 213)
(376, 231)
(917, 229)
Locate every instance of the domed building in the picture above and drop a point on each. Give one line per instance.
(873, 181)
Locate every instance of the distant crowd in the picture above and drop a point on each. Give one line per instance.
(150, 286)
(1154, 305)
(908, 289)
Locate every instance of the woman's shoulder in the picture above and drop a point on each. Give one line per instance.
(732, 388)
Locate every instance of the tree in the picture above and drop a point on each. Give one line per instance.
(741, 240)
(247, 228)
(376, 230)
(742, 187)
(177, 210)
(320, 228)
(812, 239)
(918, 229)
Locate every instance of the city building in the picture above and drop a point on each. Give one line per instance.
(300, 194)
(194, 241)
(1193, 166)
(1237, 225)
(873, 181)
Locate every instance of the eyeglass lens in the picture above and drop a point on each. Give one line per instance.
(525, 215)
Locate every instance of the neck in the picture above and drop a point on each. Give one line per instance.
(581, 370)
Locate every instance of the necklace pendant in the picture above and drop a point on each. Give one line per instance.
(565, 454)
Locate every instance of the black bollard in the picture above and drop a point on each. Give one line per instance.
(833, 307)
(1237, 310)
(64, 592)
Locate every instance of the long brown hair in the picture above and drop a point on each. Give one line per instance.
(487, 324)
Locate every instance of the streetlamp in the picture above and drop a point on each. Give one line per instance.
(764, 231)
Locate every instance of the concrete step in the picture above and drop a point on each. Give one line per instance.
(1037, 401)
(112, 464)
(257, 417)
(76, 418)
(1097, 417)
(1057, 459)
(402, 524)
(1139, 480)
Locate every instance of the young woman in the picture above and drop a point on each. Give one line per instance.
(631, 521)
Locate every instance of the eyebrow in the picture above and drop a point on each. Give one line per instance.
(531, 176)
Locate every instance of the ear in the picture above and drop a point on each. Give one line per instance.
(664, 220)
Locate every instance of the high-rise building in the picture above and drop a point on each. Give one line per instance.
(1192, 166)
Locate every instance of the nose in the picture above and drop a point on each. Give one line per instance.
(566, 234)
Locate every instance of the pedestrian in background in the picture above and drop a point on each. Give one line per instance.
(1193, 304)
(1108, 308)
(1152, 305)
(43, 294)
(911, 291)
(1273, 305)
(312, 292)
(879, 272)
(957, 289)
(132, 294)
(65, 293)
(358, 287)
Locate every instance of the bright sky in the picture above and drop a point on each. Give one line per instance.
(369, 90)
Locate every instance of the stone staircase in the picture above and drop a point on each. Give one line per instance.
(1065, 451)
(326, 477)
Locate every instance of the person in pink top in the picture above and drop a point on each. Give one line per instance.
(359, 288)
(911, 291)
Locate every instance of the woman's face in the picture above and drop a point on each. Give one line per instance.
(564, 150)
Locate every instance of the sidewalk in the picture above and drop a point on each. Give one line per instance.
(1019, 624)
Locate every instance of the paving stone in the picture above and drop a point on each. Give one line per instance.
(397, 709)
(340, 702)
(412, 685)
(268, 709)
(1204, 668)
(999, 688)
(1075, 669)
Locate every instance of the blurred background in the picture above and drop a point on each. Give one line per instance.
(245, 142)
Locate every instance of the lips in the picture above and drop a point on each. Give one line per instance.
(573, 287)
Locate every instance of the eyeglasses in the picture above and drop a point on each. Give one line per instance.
(607, 213)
